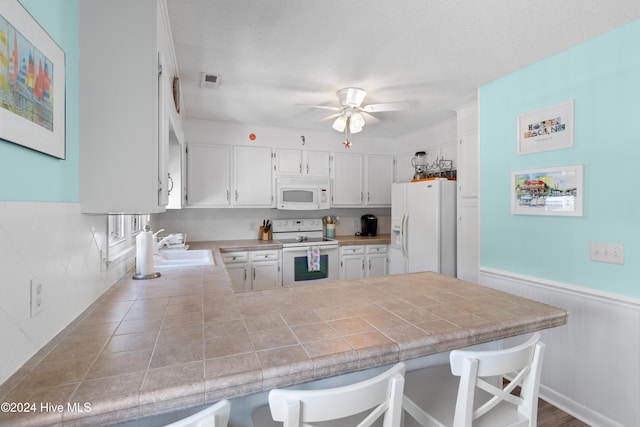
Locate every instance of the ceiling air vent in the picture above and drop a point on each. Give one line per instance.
(210, 80)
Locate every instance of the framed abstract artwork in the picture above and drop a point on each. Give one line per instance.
(32, 83)
(548, 191)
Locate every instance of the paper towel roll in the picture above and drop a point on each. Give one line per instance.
(144, 253)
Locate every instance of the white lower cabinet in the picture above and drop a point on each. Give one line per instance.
(238, 266)
(265, 269)
(351, 262)
(360, 261)
(254, 270)
(376, 260)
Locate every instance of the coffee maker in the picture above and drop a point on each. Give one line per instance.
(369, 225)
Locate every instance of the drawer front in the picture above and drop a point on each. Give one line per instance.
(352, 250)
(231, 257)
(376, 249)
(265, 255)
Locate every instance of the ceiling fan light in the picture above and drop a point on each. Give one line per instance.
(340, 123)
(357, 121)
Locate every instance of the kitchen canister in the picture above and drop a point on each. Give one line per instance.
(331, 230)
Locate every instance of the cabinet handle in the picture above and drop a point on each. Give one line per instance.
(236, 192)
(369, 265)
(361, 196)
(368, 196)
(363, 264)
(300, 168)
(227, 195)
(245, 274)
(307, 168)
(170, 184)
(254, 273)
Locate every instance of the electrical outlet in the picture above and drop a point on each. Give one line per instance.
(612, 253)
(37, 297)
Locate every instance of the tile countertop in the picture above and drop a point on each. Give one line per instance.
(186, 339)
(250, 244)
(380, 239)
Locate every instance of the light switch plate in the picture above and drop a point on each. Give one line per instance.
(612, 253)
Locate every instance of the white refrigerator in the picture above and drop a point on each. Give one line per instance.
(423, 227)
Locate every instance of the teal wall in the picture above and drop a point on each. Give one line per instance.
(29, 175)
(602, 76)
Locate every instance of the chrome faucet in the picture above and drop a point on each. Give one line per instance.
(162, 242)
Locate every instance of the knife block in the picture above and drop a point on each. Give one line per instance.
(264, 236)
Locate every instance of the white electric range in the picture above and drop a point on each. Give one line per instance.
(297, 236)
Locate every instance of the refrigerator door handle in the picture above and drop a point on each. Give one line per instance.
(403, 234)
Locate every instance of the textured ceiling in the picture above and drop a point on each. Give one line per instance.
(274, 54)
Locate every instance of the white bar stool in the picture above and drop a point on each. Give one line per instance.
(214, 416)
(381, 395)
(435, 397)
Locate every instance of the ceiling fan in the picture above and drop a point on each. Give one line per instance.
(349, 116)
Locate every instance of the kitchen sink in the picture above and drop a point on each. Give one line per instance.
(173, 258)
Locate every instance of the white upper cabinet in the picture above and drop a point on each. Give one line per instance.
(126, 63)
(347, 189)
(404, 170)
(218, 179)
(316, 163)
(252, 177)
(378, 179)
(208, 175)
(177, 175)
(288, 162)
(362, 180)
(294, 162)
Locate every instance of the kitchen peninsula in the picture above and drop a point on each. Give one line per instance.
(186, 339)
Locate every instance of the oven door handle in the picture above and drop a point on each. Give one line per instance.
(303, 249)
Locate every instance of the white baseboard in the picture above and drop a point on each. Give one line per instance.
(591, 368)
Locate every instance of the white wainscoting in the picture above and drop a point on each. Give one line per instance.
(592, 364)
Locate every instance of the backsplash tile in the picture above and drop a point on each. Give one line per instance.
(58, 244)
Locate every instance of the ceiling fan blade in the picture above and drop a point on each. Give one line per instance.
(387, 106)
(370, 118)
(330, 117)
(324, 107)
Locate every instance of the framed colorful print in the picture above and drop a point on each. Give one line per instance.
(32, 83)
(548, 191)
(550, 128)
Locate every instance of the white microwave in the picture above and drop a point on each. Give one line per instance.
(303, 194)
